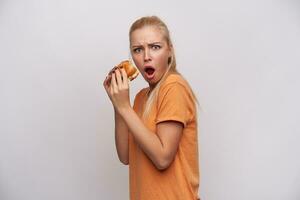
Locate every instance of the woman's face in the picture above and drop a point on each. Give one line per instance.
(150, 53)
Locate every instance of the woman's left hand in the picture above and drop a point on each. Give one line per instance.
(116, 85)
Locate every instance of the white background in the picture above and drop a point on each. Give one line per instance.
(242, 59)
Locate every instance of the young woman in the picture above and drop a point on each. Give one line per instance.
(157, 137)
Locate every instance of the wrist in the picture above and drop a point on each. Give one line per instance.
(123, 110)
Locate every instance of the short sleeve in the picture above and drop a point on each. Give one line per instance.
(174, 104)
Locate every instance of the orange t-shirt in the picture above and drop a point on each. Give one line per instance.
(180, 181)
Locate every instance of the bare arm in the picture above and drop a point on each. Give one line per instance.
(121, 129)
(121, 138)
(161, 148)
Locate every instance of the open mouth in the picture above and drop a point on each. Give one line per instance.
(149, 71)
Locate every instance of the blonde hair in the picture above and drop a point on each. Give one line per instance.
(158, 23)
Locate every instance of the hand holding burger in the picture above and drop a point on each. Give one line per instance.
(117, 88)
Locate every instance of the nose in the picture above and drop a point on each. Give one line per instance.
(147, 56)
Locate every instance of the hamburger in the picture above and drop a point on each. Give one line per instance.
(131, 71)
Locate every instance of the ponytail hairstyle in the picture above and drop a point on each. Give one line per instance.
(155, 21)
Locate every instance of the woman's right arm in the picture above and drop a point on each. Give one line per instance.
(121, 129)
(121, 138)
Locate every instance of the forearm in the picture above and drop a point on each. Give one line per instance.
(121, 138)
(149, 142)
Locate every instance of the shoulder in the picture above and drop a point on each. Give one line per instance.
(175, 81)
(141, 93)
(176, 88)
(175, 100)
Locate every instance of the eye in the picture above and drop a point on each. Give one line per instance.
(137, 50)
(155, 47)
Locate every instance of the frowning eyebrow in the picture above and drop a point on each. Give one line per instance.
(150, 44)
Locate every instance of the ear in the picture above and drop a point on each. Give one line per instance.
(170, 50)
(170, 54)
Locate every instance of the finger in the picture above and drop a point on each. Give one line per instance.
(112, 70)
(114, 82)
(109, 79)
(124, 76)
(118, 77)
(106, 83)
